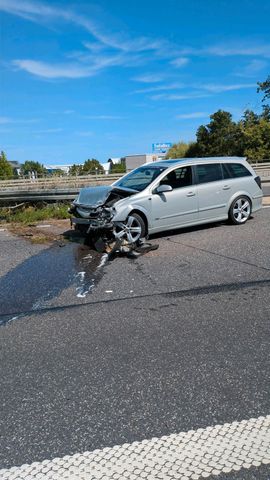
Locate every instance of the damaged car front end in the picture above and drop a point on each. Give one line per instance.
(94, 212)
(119, 213)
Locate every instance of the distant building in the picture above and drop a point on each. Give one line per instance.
(16, 166)
(108, 165)
(53, 168)
(135, 161)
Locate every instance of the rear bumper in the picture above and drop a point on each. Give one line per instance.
(257, 203)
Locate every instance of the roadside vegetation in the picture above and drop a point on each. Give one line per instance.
(32, 214)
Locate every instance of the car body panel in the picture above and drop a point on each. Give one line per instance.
(194, 204)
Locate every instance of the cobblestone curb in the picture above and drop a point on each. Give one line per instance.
(189, 455)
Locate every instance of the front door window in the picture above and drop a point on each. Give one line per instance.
(178, 178)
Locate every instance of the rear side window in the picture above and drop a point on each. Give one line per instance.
(210, 172)
(235, 170)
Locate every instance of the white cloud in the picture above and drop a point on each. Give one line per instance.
(149, 78)
(237, 49)
(159, 88)
(67, 70)
(103, 117)
(4, 120)
(179, 62)
(47, 70)
(40, 13)
(219, 88)
(24, 121)
(230, 49)
(175, 96)
(187, 116)
(88, 133)
(51, 130)
(252, 68)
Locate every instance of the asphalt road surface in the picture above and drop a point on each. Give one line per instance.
(95, 353)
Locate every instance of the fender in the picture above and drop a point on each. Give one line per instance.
(123, 211)
(237, 194)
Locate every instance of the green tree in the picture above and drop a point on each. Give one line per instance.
(75, 170)
(178, 150)
(220, 137)
(6, 170)
(117, 167)
(58, 172)
(264, 87)
(256, 132)
(31, 166)
(92, 166)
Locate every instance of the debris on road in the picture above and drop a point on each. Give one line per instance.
(122, 246)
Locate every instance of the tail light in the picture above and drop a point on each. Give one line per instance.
(258, 181)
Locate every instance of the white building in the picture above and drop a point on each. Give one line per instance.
(52, 168)
(135, 161)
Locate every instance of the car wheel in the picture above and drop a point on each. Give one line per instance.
(131, 230)
(240, 210)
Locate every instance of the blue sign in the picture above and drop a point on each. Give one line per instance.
(161, 147)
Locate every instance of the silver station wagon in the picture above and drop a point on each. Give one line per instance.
(168, 195)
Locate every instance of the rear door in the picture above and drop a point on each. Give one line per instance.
(212, 191)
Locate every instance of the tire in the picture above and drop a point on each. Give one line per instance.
(132, 230)
(240, 210)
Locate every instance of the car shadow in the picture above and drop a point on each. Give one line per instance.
(178, 231)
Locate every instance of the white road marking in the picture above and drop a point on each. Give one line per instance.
(191, 455)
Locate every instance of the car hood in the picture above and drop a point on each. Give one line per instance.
(93, 196)
(97, 196)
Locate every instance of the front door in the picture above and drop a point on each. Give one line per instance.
(178, 207)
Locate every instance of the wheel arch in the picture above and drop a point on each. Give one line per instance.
(239, 194)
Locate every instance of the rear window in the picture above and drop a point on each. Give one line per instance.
(235, 170)
(210, 172)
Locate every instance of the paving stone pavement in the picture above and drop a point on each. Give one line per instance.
(196, 454)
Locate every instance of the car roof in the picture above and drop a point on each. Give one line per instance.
(175, 161)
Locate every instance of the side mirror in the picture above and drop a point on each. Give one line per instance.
(163, 188)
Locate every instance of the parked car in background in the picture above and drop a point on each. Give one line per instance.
(168, 195)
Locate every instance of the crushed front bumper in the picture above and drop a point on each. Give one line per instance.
(92, 224)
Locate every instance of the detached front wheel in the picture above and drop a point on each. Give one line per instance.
(131, 230)
(240, 210)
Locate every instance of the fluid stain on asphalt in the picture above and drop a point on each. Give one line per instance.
(42, 277)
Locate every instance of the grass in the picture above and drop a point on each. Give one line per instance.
(34, 214)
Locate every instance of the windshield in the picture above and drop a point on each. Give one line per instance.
(140, 178)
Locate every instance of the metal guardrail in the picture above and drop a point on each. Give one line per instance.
(58, 182)
(50, 190)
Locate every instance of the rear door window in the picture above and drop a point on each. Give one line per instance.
(235, 170)
(209, 172)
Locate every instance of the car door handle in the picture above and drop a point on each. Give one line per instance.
(226, 187)
(191, 194)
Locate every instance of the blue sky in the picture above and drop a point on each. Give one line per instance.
(107, 79)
